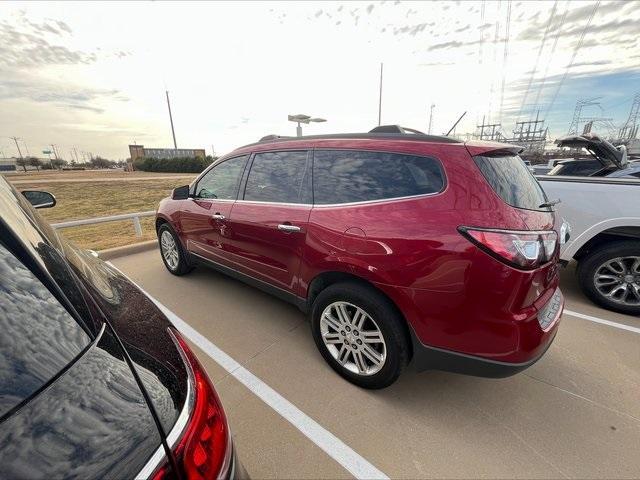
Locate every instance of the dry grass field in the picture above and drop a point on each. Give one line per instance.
(88, 199)
(83, 174)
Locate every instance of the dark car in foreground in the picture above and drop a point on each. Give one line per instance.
(403, 247)
(95, 382)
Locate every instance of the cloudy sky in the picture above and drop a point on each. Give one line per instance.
(93, 75)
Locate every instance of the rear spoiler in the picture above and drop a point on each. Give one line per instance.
(600, 148)
(492, 149)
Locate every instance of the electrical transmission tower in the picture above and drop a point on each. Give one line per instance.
(489, 131)
(531, 134)
(629, 130)
(577, 112)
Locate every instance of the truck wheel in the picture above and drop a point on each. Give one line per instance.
(610, 276)
(359, 334)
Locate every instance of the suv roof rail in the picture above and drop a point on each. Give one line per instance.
(395, 129)
(389, 132)
(266, 138)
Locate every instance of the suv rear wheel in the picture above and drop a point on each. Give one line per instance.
(171, 251)
(610, 276)
(359, 334)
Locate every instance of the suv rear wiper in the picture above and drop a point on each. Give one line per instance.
(549, 204)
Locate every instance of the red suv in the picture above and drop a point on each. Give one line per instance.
(404, 248)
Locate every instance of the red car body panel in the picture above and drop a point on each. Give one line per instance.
(453, 295)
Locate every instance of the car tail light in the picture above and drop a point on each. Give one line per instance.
(203, 451)
(521, 249)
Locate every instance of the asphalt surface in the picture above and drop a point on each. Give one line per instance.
(574, 414)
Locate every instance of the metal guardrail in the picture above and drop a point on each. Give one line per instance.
(135, 217)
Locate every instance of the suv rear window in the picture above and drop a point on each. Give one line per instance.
(512, 180)
(39, 336)
(347, 176)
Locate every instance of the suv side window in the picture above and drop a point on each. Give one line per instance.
(278, 177)
(221, 182)
(346, 176)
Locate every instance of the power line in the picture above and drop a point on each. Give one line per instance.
(495, 48)
(573, 57)
(535, 68)
(504, 59)
(551, 55)
(380, 97)
(480, 51)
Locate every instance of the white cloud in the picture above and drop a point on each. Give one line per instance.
(225, 62)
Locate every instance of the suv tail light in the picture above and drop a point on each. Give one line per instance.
(525, 250)
(203, 451)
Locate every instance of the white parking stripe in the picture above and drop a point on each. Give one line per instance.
(355, 464)
(609, 323)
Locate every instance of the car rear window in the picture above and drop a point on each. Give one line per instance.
(347, 176)
(39, 336)
(512, 181)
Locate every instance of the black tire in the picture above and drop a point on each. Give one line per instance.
(386, 318)
(183, 266)
(589, 265)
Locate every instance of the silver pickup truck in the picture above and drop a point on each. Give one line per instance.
(604, 215)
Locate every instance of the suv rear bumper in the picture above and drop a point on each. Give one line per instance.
(426, 357)
(432, 358)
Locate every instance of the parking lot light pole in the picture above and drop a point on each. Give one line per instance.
(300, 118)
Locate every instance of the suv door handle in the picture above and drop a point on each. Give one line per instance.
(288, 228)
(218, 216)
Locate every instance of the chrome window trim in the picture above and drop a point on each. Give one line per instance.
(288, 204)
(181, 422)
(380, 200)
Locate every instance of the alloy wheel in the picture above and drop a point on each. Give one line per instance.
(353, 338)
(618, 279)
(169, 250)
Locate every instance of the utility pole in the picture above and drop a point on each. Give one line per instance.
(213, 151)
(175, 145)
(380, 97)
(430, 118)
(15, 139)
(25, 147)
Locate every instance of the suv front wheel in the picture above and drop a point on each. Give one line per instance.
(171, 250)
(359, 334)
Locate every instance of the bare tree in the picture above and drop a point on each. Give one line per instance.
(22, 162)
(34, 162)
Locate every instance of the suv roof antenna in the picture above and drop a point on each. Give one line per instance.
(454, 125)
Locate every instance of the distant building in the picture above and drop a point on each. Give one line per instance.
(138, 151)
(8, 165)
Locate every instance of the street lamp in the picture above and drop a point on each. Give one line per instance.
(306, 119)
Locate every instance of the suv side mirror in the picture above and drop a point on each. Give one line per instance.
(40, 199)
(180, 193)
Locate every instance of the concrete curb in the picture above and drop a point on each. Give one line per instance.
(111, 253)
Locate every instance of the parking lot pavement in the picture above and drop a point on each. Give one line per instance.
(574, 414)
